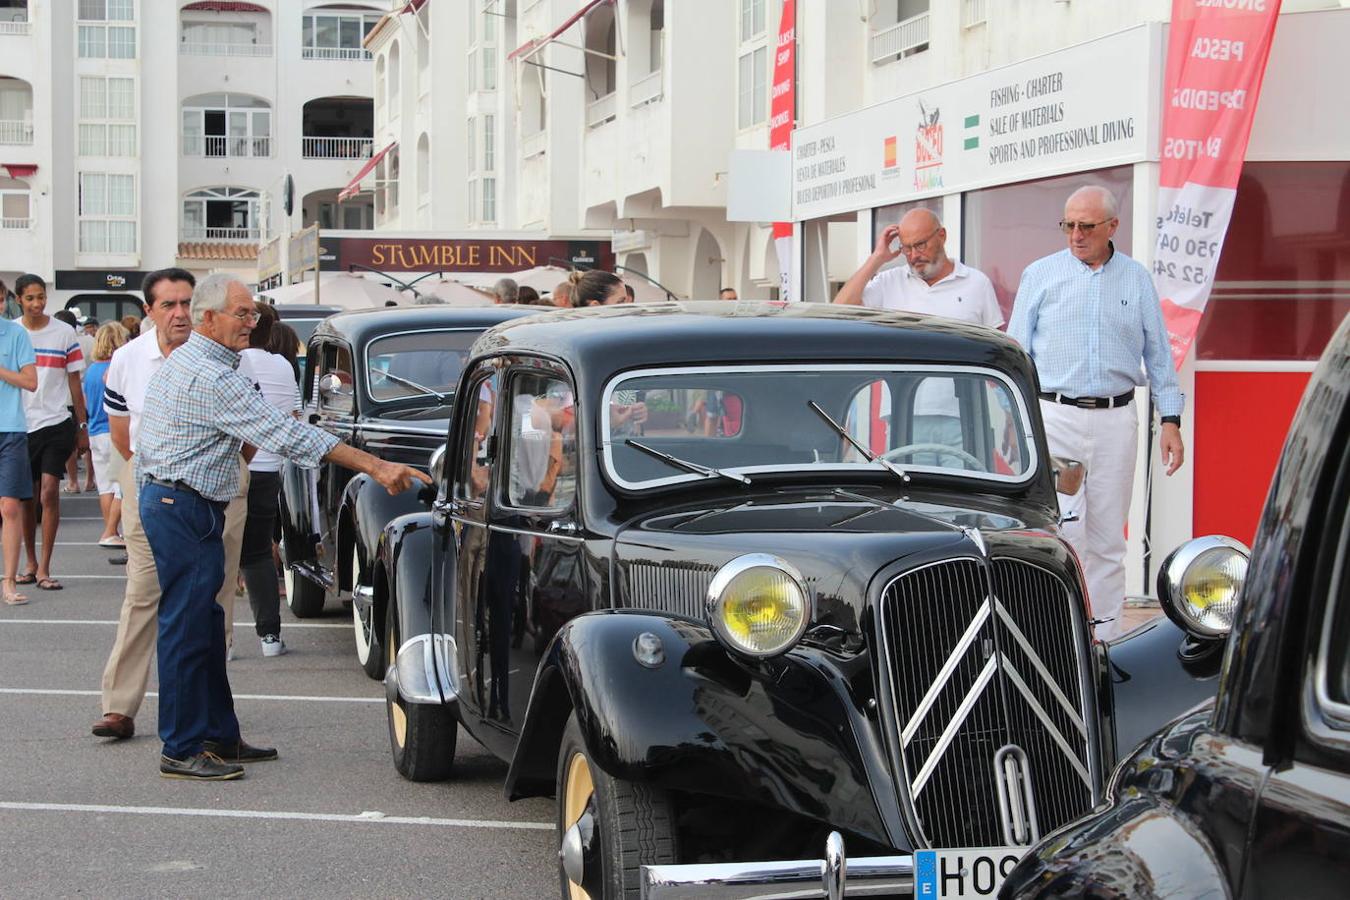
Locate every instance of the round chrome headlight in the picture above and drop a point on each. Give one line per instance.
(758, 604)
(1200, 584)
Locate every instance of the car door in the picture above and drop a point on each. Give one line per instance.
(535, 545)
(335, 413)
(1301, 834)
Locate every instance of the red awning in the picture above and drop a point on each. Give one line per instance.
(225, 6)
(355, 184)
(530, 47)
(21, 170)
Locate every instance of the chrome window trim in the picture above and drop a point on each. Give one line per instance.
(1326, 719)
(1028, 436)
(365, 357)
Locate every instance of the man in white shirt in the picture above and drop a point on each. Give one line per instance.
(56, 422)
(931, 284)
(168, 295)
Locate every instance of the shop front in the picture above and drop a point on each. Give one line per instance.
(997, 154)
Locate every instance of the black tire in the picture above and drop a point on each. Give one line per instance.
(632, 825)
(421, 737)
(303, 597)
(366, 632)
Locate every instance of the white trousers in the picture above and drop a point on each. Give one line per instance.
(1106, 441)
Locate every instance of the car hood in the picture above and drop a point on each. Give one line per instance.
(839, 539)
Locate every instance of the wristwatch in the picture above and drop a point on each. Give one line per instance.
(1172, 420)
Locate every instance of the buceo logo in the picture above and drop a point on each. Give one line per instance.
(928, 149)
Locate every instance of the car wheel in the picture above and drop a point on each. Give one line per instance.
(421, 737)
(369, 652)
(304, 597)
(607, 828)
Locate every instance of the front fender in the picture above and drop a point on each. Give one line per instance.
(403, 588)
(298, 525)
(1152, 675)
(787, 733)
(368, 507)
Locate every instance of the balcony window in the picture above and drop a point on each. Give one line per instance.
(337, 128)
(107, 211)
(14, 17)
(98, 38)
(335, 36)
(227, 125)
(899, 29)
(107, 116)
(221, 214)
(14, 204)
(213, 38)
(16, 111)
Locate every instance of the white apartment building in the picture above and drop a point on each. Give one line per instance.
(137, 134)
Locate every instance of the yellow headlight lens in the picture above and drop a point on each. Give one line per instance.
(758, 606)
(1210, 587)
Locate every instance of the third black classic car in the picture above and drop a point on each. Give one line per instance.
(1248, 795)
(383, 381)
(726, 578)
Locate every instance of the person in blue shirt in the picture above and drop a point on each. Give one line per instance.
(1089, 315)
(18, 373)
(107, 340)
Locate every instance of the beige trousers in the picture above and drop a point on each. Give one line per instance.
(128, 668)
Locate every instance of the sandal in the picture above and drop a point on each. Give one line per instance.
(49, 584)
(26, 578)
(114, 541)
(11, 595)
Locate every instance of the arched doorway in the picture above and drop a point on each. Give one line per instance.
(707, 274)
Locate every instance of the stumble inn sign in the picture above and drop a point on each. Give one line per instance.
(471, 254)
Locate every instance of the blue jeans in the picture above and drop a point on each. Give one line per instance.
(195, 704)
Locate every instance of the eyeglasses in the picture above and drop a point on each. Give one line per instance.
(246, 317)
(917, 246)
(1085, 227)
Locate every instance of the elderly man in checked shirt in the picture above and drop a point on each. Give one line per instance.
(198, 412)
(1087, 315)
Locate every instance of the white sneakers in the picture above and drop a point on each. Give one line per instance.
(273, 645)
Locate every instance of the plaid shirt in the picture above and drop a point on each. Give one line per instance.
(197, 411)
(1087, 329)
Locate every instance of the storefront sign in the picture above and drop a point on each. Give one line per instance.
(782, 117)
(304, 253)
(269, 259)
(99, 280)
(1085, 107)
(393, 254)
(1216, 59)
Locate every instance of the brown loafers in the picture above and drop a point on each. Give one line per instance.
(115, 725)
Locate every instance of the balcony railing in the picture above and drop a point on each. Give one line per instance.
(15, 131)
(197, 233)
(8, 224)
(347, 53)
(532, 145)
(900, 39)
(209, 48)
(974, 12)
(336, 147)
(646, 89)
(18, 26)
(223, 145)
(603, 110)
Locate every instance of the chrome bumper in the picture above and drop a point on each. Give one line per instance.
(830, 877)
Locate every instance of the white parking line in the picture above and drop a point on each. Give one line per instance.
(345, 626)
(364, 818)
(64, 577)
(74, 693)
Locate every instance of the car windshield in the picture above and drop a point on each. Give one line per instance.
(964, 421)
(417, 364)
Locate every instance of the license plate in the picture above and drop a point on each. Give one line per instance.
(969, 872)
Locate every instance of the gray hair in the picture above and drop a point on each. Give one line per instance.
(506, 290)
(428, 300)
(211, 294)
(1102, 195)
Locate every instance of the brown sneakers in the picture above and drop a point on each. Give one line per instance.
(115, 725)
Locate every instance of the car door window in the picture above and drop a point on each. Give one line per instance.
(1332, 671)
(479, 437)
(542, 445)
(336, 394)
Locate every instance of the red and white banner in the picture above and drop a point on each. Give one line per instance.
(1216, 58)
(782, 117)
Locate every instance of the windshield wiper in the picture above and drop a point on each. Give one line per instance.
(407, 382)
(866, 454)
(678, 463)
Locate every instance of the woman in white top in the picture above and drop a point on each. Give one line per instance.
(275, 380)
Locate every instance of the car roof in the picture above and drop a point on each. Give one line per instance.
(360, 324)
(606, 340)
(305, 310)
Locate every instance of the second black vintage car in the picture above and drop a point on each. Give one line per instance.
(383, 381)
(727, 578)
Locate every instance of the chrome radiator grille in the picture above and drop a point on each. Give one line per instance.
(971, 673)
(675, 587)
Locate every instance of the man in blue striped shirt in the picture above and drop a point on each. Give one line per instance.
(198, 411)
(1088, 315)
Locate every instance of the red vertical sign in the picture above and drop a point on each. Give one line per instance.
(782, 118)
(1216, 57)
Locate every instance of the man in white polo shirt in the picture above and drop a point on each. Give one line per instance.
(931, 284)
(168, 295)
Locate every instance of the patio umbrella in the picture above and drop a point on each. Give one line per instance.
(545, 279)
(451, 293)
(344, 290)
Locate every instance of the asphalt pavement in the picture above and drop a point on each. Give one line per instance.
(80, 815)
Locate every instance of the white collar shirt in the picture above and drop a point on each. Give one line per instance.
(965, 294)
(128, 374)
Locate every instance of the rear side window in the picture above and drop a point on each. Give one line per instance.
(541, 443)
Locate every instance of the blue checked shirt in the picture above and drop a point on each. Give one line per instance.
(1087, 329)
(197, 411)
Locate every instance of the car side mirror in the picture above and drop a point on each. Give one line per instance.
(330, 386)
(1069, 475)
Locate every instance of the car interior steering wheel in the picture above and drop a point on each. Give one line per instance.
(911, 449)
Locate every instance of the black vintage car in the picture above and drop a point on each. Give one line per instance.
(383, 381)
(725, 578)
(1247, 795)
